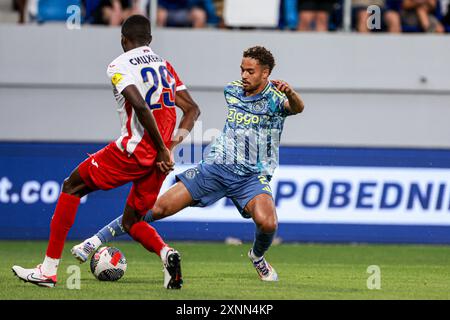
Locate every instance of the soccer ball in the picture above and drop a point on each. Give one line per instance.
(108, 264)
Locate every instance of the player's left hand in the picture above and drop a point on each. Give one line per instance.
(164, 161)
(283, 86)
(165, 167)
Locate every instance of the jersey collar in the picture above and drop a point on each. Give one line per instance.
(256, 96)
(142, 49)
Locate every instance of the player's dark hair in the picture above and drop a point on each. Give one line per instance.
(261, 54)
(137, 29)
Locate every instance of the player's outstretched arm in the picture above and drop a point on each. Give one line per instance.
(145, 116)
(191, 112)
(295, 103)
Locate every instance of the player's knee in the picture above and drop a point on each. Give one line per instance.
(127, 224)
(74, 188)
(69, 187)
(268, 226)
(160, 210)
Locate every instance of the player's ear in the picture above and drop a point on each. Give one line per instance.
(150, 39)
(266, 73)
(123, 42)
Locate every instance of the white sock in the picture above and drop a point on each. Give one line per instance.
(95, 241)
(163, 253)
(49, 266)
(252, 255)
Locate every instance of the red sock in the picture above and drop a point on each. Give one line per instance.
(62, 221)
(146, 235)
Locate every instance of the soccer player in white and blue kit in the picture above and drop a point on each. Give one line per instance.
(240, 163)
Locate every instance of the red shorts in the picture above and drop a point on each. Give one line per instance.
(110, 168)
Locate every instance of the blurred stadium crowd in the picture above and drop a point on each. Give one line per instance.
(430, 16)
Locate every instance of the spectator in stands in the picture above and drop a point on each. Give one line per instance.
(314, 15)
(392, 16)
(390, 11)
(114, 12)
(421, 14)
(21, 6)
(184, 13)
(219, 6)
(446, 13)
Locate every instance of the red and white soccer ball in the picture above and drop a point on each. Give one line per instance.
(108, 264)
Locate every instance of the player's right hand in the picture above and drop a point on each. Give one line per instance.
(164, 161)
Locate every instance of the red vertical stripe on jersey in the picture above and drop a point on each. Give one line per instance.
(178, 81)
(129, 110)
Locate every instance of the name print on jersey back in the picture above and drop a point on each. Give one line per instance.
(157, 82)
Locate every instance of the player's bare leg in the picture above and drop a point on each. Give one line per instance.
(75, 185)
(74, 188)
(263, 211)
(172, 201)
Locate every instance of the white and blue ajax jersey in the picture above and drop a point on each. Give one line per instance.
(249, 143)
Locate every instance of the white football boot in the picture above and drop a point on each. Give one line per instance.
(34, 276)
(263, 268)
(82, 251)
(172, 270)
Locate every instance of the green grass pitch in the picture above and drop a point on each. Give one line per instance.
(219, 271)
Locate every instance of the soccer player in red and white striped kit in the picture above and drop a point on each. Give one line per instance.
(147, 89)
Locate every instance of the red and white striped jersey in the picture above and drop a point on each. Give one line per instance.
(158, 83)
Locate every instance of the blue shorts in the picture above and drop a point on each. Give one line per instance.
(208, 183)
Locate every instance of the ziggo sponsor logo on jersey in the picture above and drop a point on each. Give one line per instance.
(30, 192)
(239, 117)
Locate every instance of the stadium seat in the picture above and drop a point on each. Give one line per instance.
(54, 10)
(90, 7)
(336, 16)
(251, 13)
(288, 15)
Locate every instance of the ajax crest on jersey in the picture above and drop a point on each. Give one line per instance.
(259, 107)
(108, 264)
